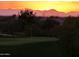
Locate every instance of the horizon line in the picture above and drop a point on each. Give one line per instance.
(35, 9)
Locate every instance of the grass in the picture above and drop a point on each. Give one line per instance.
(31, 47)
(34, 47)
(15, 41)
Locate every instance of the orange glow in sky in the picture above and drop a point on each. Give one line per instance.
(41, 5)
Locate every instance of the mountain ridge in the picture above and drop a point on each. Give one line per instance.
(45, 13)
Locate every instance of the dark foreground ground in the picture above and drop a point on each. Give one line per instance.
(38, 49)
(44, 49)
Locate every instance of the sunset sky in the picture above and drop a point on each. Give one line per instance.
(40, 5)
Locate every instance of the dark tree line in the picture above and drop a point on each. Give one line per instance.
(27, 20)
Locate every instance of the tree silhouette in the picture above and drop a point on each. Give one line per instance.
(26, 19)
(50, 24)
(70, 33)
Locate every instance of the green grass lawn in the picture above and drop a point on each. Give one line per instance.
(33, 47)
(15, 41)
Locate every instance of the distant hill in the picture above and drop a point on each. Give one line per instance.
(44, 13)
(8, 12)
(50, 12)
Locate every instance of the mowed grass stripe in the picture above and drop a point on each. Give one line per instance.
(17, 41)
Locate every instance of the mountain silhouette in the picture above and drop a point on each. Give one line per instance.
(44, 13)
(50, 12)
